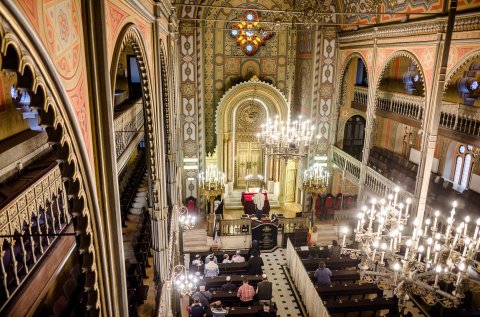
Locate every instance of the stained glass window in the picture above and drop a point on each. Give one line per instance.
(248, 33)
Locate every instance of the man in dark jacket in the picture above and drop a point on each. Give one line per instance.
(264, 291)
(229, 286)
(255, 264)
(196, 309)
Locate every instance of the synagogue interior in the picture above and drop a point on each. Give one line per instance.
(193, 158)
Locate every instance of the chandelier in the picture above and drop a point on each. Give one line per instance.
(315, 180)
(183, 282)
(287, 140)
(431, 263)
(212, 179)
(186, 221)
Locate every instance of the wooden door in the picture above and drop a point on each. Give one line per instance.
(249, 160)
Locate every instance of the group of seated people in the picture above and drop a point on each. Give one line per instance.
(208, 300)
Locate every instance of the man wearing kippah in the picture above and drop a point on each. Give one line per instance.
(264, 290)
(237, 258)
(229, 286)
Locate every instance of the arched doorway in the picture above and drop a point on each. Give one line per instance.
(354, 136)
(249, 158)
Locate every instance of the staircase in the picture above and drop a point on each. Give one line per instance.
(195, 240)
(140, 199)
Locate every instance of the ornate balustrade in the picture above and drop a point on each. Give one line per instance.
(454, 116)
(461, 118)
(25, 221)
(127, 125)
(347, 162)
(360, 94)
(406, 105)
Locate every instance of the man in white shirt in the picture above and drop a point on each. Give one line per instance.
(259, 201)
(237, 258)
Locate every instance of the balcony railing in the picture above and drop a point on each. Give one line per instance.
(374, 181)
(454, 116)
(360, 94)
(461, 118)
(29, 224)
(127, 125)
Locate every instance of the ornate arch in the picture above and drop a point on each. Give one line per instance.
(344, 70)
(453, 72)
(131, 36)
(266, 94)
(25, 56)
(400, 53)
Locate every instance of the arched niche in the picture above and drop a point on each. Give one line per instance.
(271, 100)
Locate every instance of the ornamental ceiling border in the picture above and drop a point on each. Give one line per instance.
(37, 74)
(467, 22)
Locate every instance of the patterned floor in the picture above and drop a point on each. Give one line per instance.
(283, 292)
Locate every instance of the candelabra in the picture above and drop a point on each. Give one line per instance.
(183, 282)
(287, 140)
(430, 263)
(186, 220)
(212, 184)
(315, 181)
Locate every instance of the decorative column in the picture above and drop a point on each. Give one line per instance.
(432, 115)
(370, 122)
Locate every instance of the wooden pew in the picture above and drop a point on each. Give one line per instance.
(333, 291)
(340, 275)
(217, 282)
(242, 311)
(332, 264)
(225, 269)
(337, 308)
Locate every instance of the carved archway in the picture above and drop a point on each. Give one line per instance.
(273, 101)
(25, 55)
(384, 68)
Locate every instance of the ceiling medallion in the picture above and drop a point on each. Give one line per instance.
(249, 34)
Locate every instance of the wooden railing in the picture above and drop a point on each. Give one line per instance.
(347, 162)
(29, 224)
(127, 125)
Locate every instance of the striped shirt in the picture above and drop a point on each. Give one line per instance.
(246, 293)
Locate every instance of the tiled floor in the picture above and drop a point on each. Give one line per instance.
(282, 290)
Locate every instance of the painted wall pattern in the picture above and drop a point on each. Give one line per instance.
(225, 64)
(59, 26)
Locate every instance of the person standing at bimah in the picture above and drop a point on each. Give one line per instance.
(259, 201)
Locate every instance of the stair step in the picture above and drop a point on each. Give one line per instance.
(141, 194)
(135, 211)
(139, 205)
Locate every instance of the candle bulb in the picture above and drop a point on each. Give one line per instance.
(429, 242)
(438, 270)
(400, 207)
(476, 229)
(397, 189)
(437, 248)
(467, 220)
(420, 251)
(427, 223)
(409, 201)
(409, 244)
(437, 213)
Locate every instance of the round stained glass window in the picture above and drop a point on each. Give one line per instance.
(250, 16)
(462, 149)
(249, 48)
(234, 32)
(469, 147)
